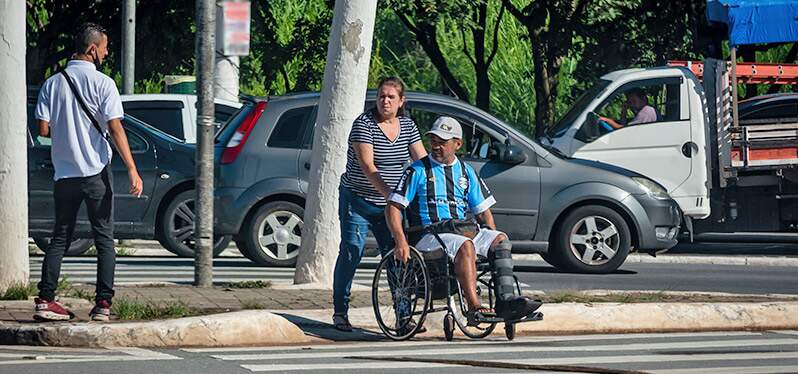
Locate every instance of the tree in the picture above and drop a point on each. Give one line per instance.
(470, 18)
(552, 27)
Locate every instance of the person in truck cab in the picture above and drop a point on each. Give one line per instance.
(637, 101)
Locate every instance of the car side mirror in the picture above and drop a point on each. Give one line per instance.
(512, 154)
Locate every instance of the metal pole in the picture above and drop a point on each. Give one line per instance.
(203, 231)
(128, 46)
(735, 119)
(14, 266)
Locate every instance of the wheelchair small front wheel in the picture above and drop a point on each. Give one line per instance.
(509, 330)
(448, 327)
(400, 295)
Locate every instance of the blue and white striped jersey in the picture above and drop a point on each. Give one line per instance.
(433, 192)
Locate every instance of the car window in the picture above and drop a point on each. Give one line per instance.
(787, 112)
(222, 113)
(477, 144)
(642, 103)
(136, 143)
(167, 117)
(289, 132)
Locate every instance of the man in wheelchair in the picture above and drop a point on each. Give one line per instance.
(438, 191)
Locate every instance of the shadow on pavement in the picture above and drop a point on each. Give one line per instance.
(551, 270)
(323, 330)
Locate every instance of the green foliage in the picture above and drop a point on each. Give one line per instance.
(134, 309)
(251, 304)
(19, 291)
(249, 284)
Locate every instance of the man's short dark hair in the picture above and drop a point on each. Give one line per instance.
(88, 34)
(637, 92)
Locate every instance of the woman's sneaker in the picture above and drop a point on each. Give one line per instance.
(51, 311)
(101, 311)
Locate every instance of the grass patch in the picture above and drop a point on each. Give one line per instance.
(92, 251)
(249, 284)
(251, 304)
(124, 251)
(625, 297)
(19, 291)
(134, 309)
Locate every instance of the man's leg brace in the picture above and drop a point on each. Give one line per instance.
(502, 260)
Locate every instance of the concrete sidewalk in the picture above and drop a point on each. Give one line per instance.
(289, 315)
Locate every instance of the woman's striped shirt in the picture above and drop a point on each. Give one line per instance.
(389, 157)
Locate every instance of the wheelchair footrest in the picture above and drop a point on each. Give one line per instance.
(536, 316)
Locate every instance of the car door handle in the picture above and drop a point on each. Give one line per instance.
(307, 165)
(687, 149)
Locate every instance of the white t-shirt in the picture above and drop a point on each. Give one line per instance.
(78, 149)
(645, 115)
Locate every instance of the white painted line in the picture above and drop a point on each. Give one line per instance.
(141, 352)
(788, 332)
(510, 349)
(36, 348)
(86, 359)
(535, 339)
(348, 366)
(731, 369)
(655, 358)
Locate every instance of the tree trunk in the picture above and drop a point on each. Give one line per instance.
(544, 99)
(343, 90)
(14, 266)
(481, 66)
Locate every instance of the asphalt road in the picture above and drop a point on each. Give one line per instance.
(671, 353)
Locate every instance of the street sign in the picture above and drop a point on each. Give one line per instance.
(232, 28)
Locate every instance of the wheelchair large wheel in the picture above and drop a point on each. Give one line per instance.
(400, 295)
(458, 305)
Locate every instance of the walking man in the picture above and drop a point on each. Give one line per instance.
(78, 108)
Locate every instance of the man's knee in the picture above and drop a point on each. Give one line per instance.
(466, 251)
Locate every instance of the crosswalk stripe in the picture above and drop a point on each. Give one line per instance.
(731, 369)
(513, 349)
(656, 358)
(347, 366)
(536, 339)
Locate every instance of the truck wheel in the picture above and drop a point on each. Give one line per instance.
(176, 233)
(273, 234)
(591, 239)
(78, 246)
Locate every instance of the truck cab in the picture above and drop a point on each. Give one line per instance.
(671, 149)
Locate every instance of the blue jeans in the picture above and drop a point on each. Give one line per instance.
(357, 217)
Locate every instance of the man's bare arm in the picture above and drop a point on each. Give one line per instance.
(486, 219)
(44, 128)
(123, 148)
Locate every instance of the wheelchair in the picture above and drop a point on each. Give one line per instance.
(402, 296)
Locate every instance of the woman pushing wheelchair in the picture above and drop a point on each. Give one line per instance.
(438, 191)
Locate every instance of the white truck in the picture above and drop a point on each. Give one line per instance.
(734, 180)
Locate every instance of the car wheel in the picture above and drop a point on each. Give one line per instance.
(591, 239)
(273, 234)
(78, 246)
(176, 233)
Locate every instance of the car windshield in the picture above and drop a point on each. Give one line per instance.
(579, 106)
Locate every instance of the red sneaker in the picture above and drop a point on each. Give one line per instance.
(101, 311)
(51, 311)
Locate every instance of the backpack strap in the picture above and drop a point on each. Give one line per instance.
(83, 104)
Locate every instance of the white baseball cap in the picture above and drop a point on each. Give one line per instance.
(446, 128)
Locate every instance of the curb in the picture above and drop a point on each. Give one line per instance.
(638, 258)
(595, 318)
(249, 327)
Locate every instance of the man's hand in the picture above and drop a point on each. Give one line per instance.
(401, 252)
(136, 185)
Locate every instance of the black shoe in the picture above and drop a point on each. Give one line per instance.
(409, 327)
(516, 308)
(341, 322)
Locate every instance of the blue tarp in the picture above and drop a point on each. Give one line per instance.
(756, 21)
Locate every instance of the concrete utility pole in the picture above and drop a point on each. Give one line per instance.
(203, 230)
(14, 267)
(342, 95)
(226, 77)
(128, 46)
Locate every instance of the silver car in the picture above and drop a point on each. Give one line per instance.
(582, 216)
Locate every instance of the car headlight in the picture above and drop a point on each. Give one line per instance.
(652, 188)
